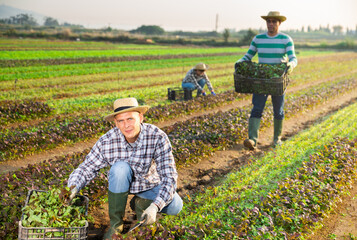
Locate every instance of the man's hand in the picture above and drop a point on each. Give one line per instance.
(290, 67)
(74, 192)
(150, 214)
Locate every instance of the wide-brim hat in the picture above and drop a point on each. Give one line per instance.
(276, 15)
(201, 66)
(123, 105)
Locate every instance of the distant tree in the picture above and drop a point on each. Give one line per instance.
(149, 30)
(309, 29)
(66, 24)
(337, 30)
(51, 22)
(302, 29)
(108, 29)
(20, 19)
(226, 34)
(248, 37)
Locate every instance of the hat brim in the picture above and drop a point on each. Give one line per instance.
(140, 109)
(280, 18)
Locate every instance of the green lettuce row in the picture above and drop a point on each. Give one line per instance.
(51, 71)
(148, 51)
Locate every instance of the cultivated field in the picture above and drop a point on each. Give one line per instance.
(54, 94)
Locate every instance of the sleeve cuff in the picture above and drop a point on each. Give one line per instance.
(160, 203)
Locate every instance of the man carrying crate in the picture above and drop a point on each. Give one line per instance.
(141, 163)
(272, 48)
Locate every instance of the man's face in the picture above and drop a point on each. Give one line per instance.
(129, 124)
(200, 72)
(273, 26)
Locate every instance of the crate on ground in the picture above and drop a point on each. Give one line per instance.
(179, 94)
(54, 233)
(272, 86)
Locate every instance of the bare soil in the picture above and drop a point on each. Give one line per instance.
(209, 171)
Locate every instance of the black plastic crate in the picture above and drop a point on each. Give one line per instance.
(271, 86)
(179, 94)
(44, 233)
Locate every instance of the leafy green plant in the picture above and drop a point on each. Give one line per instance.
(52, 209)
(258, 70)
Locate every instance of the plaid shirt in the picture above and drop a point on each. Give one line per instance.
(192, 77)
(151, 160)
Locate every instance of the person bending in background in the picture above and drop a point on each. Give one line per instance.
(196, 78)
(272, 48)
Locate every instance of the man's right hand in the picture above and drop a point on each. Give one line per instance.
(74, 192)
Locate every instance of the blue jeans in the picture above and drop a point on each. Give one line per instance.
(259, 101)
(192, 86)
(120, 178)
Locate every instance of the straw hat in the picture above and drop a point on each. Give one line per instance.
(201, 66)
(276, 15)
(126, 105)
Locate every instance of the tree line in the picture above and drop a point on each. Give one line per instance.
(28, 20)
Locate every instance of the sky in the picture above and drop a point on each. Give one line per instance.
(194, 15)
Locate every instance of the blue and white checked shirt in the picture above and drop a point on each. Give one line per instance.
(151, 160)
(192, 77)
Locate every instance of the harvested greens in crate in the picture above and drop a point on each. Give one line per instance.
(251, 77)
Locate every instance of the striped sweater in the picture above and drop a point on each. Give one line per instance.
(271, 50)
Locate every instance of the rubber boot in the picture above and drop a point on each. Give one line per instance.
(117, 204)
(253, 133)
(139, 205)
(278, 129)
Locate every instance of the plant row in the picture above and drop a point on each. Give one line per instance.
(52, 71)
(11, 63)
(207, 129)
(48, 54)
(40, 44)
(11, 110)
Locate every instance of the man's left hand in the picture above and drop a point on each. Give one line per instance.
(290, 67)
(150, 214)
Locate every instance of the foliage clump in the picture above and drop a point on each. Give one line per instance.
(258, 70)
(52, 209)
(16, 110)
